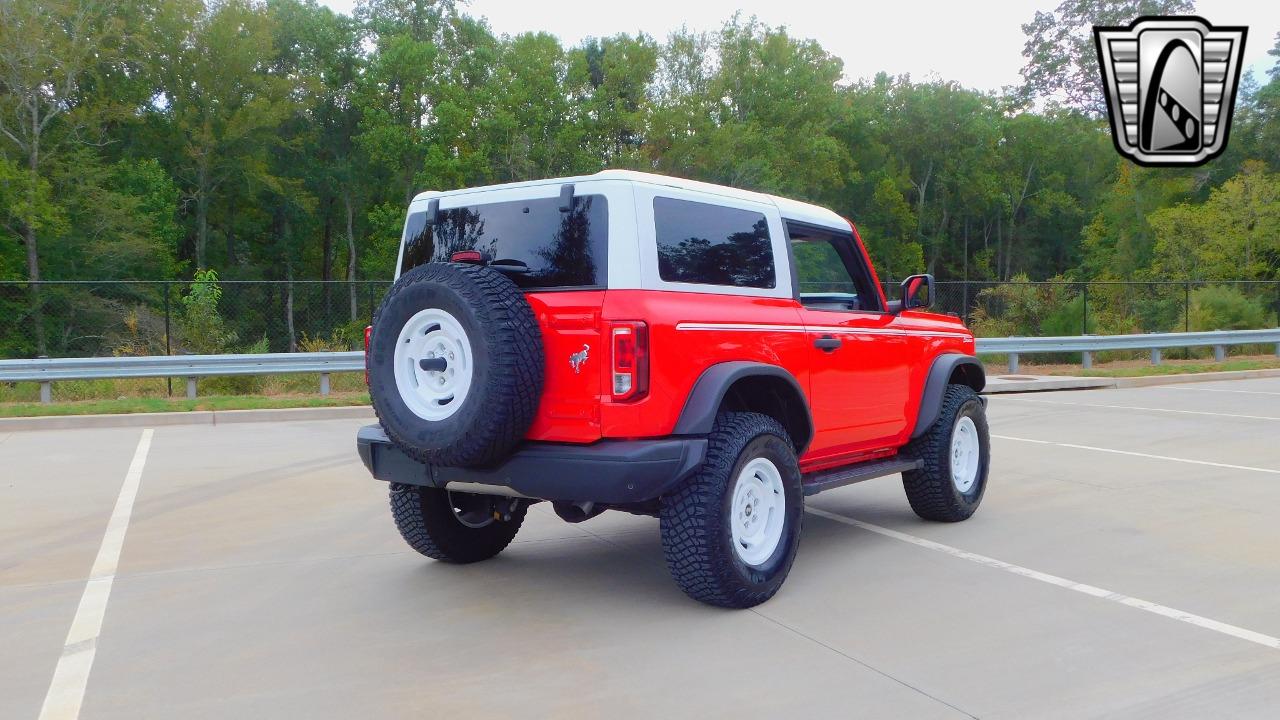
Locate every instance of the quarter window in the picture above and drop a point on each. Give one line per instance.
(712, 244)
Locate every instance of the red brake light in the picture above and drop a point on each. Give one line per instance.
(368, 333)
(467, 256)
(630, 375)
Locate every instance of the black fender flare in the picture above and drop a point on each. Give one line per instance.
(699, 413)
(935, 386)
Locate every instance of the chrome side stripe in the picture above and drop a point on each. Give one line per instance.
(834, 329)
(744, 327)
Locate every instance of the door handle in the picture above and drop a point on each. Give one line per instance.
(827, 343)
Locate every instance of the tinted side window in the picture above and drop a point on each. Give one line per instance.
(819, 268)
(712, 244)
(553, 249)
(830, 269)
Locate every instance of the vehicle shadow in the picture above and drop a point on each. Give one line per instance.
(616, 570)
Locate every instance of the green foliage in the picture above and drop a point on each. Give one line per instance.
(1068, 319)
(1218, 307)
(1234, 235)
(341, 339)
(279, 140)
(760, 117)
(1025, 309)
(1062, 63)
(202, 329)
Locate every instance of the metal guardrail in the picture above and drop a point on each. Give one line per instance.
(1219, 340)
(47, 371)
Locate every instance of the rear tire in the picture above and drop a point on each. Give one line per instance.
(430, 522)
(731, 531)
(956, 451)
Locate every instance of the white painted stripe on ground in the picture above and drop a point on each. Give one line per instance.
(1218, 390)
(1133, 602)
(1141, 455)
(71, 676)
(1135, 407)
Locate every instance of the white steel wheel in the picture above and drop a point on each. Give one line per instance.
(758, 511)
(434, 365)
(966, 454)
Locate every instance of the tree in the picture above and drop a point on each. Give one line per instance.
(526, 126)
(1234, 235)
(326, 48)
(1118, 243)
(224, 106)
(49, 49)
(763, 119)
(276, 139)
(608, 88)
(1256, 127)
(1062, 61)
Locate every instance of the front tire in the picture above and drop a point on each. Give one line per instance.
(455, 527)
(956, 456)
(731, 531)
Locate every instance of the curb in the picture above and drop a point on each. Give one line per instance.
(1044, 383)
(1196, 377)
(193, 417)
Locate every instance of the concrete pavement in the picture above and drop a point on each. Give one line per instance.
(261, 577)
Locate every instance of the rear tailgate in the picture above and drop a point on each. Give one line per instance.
(574, 357)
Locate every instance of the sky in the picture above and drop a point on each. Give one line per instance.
(978, 44)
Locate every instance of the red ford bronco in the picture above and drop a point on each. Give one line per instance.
(625, 341)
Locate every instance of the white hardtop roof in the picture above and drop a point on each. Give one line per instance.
(789, 209)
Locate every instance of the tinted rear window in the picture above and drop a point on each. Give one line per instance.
(712, 244)
(555, 249)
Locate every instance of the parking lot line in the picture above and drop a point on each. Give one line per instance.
(71, 675)
(1141, 455)
(1126, 600)
(1136, 407)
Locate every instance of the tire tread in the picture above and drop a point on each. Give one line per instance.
(690, 521)
(427, 525)
(929, 490)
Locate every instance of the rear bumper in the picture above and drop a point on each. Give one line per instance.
(610, 471)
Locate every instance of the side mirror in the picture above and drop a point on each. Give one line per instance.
(917, 292)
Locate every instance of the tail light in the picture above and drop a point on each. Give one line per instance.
(368, 333)
(630, 360)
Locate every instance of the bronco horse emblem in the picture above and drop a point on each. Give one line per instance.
(576, 359)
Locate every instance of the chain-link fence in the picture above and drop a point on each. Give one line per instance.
(90, 318)
(83, 319)
(1007, 309)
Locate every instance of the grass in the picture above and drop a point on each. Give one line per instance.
(146, 395)
(158, 388)
(1144, 368)
(155, 404)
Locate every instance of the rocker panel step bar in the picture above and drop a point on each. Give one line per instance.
(814, 483)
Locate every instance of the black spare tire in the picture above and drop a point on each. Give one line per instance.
(455, 364)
